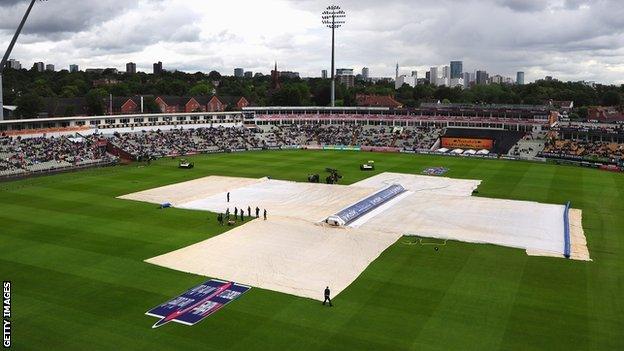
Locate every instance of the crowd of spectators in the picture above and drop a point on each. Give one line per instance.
(377, 136)
(293, 134)
(419, 138)
(22, 155)
(593, 127)
(529, 146)
(585, 149)
(411, 138)
(159, 143)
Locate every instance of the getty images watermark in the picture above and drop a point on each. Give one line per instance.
(6, 314)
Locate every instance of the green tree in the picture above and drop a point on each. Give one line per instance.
(423, 92)
(611, 98)
(70, 91)
(289, 95)
(150, 106)
(29, 105)
(405, 92)
(214, 75)
(120, 89)
(201, 89)
(95, 101)
(70, 110)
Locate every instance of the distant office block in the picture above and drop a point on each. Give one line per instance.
(482, 77)
(131, 68)
(457, 67)
(14, 64)
(158, 68)
(365, 73)
(39, 66)
(346, 77)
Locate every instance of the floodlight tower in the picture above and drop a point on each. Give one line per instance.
(333, 17)
(7, 54)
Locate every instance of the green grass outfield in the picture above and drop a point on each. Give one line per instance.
(75, 256)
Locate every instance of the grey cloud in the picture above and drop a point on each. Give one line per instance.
(524, 5)
(576, 39)
(61, 16)
(132, 32)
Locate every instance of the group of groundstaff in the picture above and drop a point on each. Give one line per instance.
(228, 218)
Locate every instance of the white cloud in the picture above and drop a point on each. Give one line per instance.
(570, 39)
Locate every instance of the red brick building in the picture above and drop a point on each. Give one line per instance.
(605, 114)
(168, 104)
(123, 105)
(173, 104)
(366, 100)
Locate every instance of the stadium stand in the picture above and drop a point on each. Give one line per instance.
(586, 141)
(409, 138)
(584, 149)
(529, 146)
(186, 141)
(20, 155)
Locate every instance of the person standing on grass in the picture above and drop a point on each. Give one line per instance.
(249, 211)
(265, 213)
(227, 213)
(235, 211)
(242, 216)
(220, 219)
(257, 212)
(228, 196)
(327, 297)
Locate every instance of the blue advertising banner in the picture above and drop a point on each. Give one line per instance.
(362, 207)
(197, 303)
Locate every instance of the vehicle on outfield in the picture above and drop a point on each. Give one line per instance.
(185, 164)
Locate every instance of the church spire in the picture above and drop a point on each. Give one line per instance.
(275, 78)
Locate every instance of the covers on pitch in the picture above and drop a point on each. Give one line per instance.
(520, 224)
(283, 254)
(291, 253)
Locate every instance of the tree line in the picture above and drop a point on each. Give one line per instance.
(29, 90)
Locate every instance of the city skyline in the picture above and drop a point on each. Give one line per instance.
(111, 33)
(453, 74)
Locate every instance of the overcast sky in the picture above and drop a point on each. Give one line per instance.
(568, 39)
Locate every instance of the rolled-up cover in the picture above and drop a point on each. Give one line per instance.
(366, 205)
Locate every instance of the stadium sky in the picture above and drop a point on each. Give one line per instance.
(568, 39)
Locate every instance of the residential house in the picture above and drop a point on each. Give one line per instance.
(214, 103)
(367, 100)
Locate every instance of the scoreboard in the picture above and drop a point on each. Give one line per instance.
(467, 143)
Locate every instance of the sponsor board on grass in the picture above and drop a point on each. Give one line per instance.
(197, 303)
(435, 171)
(341, 147)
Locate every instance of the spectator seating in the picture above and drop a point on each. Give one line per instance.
(19, 155)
